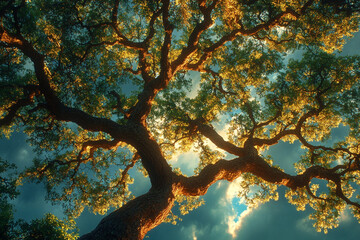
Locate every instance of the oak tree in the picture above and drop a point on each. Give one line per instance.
(67, 67)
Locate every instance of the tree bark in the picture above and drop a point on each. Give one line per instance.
(136, 218)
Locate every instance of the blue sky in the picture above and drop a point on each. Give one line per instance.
(222, 217)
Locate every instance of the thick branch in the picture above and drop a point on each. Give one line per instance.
(153, 85)
(102, 143)
(56, 107)
(230, 170)
(142, 108)
(222, 170)
(218, 140)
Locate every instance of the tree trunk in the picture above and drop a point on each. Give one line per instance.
(136, 218)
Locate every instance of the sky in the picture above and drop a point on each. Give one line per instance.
(223, 216)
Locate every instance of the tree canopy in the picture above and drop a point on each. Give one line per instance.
(101, 87)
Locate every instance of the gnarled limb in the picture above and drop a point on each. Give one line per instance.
(231, 169)
(54, 104)
(133, 133)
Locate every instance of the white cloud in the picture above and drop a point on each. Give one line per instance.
(187, 162)
(196, 78)
(305, 225)
(345, 216)
(235, 222)
(194, 235)
(23, 158)
(191, 231)
(22, 155)
(141, 184)
(222, 129)
(233, 189)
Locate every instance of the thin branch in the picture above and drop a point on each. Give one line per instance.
(340, 193)
(90, 46)
(118, 105)
(175, 141)
(266, 123)
(165, 48)
(216, 75)
(53, 162)
(134, 159)
(194, 37)
(313, 195)
(272, 22)
(151, 27)
(14, 108)
(91, 145)
(296, 131)
(276, 42)
(123, 40)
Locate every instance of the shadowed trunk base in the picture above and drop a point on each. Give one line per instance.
(136, 218)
